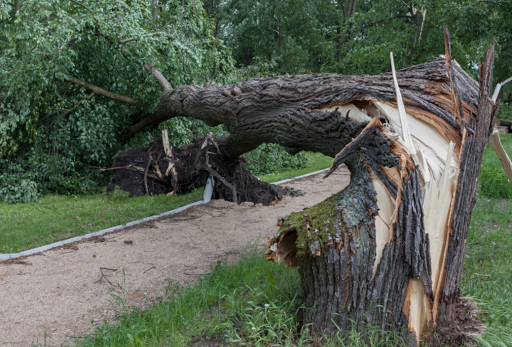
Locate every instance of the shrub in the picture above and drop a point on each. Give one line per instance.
(14, 189)
(271, 158)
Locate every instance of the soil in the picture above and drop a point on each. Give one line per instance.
(61, 291)
(186, 170)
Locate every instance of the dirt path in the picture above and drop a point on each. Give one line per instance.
(62, 291)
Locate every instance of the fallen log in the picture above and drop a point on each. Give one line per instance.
(389, 249)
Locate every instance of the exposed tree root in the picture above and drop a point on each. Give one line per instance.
(161, 169)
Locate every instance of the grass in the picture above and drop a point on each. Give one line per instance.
(251, 303)
(316, 161)
(487, 275)
(493, 181)
(30, 225)
(58, 217)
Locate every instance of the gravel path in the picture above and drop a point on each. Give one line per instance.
(61, 291)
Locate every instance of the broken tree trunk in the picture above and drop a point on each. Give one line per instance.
(389, 249)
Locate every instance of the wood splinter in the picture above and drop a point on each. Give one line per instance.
(226, 183)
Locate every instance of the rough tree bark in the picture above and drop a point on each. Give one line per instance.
(388, 249)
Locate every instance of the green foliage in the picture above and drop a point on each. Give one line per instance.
(14, 189)
(52, 130)
(505, 112)
(271, 158)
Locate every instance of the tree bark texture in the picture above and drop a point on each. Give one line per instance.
(389, 249)
(286, 109)
(416, 274)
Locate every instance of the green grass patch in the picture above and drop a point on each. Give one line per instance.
(58, 217)
(316, 161)
(493, 181)
(251, 303)
(487, 270)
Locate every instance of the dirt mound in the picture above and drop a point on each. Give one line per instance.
(161, 169)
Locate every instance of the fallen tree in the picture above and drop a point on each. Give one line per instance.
(389, 249)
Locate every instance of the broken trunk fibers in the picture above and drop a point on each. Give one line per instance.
(389, 248)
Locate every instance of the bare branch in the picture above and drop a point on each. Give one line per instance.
(166, 86)
(102, 91)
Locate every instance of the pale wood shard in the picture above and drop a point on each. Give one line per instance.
(417, 308)
(385, 218)
(405, 132)
(165, 143)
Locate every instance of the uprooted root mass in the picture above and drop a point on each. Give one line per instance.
(160, 169)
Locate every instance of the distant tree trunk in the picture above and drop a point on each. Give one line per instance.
(389, 249)
(281, 39)
(348, 8)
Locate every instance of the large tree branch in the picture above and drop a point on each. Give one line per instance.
(103, 92)
(166, 86)
(259, 110)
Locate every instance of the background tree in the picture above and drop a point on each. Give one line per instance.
(72, 77)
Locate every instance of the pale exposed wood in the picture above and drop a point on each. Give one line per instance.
(165, 143)
(498, 89)
(405, 132)
(384, 221)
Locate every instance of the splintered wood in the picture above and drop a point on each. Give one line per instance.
(414, 200)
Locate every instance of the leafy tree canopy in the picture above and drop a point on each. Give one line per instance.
(53, 126)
